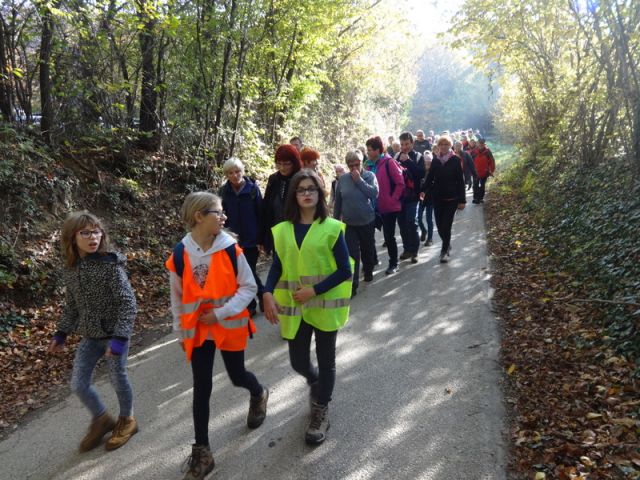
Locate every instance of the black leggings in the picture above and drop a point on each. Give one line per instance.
(202, 368)
(300, 356)
(444, 212)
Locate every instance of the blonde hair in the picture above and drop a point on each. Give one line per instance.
(197, 202)
(232, 163)
(75, 222)
(444, 139)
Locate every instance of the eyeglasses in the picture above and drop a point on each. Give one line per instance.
(217, 213)
(90, 233)
(306, 191)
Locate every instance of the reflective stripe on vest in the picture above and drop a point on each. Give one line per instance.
(308, 265)
(192, 307)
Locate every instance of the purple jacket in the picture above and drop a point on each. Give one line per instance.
(388, 203)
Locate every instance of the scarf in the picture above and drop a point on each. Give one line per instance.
(443, 158)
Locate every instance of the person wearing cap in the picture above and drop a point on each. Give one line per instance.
(485, 166)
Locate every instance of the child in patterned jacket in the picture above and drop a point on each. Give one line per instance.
(101, 307)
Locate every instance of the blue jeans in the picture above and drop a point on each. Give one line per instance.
(409, 227)
(429, 228)
(90, 350)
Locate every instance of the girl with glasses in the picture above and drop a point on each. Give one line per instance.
(211, 285)
(308, 291)
(101, 308)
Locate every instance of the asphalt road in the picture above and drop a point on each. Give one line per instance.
(417, 393)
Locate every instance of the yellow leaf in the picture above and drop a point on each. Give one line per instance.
(592, 415)
(627, 422)
(540, 476)
(511, 369)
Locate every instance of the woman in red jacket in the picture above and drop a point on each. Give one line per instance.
(485, 166)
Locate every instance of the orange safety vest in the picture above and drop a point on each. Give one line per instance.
(229, 334)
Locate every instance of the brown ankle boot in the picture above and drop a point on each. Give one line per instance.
(98, 428)
(258, 409)
(126, 428)
(199, 463)
(319, 424)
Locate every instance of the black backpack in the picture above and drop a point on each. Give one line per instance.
(178, 258)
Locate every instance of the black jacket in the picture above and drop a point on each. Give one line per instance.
(445, 182)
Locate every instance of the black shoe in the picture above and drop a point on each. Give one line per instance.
(368, 277)
(481, 200)
(475, 201)
(444, 257)
(405, 255)
(392, 269)
(353, 293)
(414, 259)
(428, 243)
(423, 236)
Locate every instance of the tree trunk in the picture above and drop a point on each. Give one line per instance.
(46, 42)
(223, 82)
(6, 93)
(148, 96)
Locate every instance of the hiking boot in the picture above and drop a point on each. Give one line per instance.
(428, 243)
(423, 236)
(317, 429)
(125, 428)
(258, 409)
(198, 464)
(98, 428)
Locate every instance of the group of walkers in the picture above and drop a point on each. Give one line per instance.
(314, 272)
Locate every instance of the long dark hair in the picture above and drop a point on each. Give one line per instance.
(291, 207)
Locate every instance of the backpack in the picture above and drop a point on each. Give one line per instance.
(178, 258)
(409, 184)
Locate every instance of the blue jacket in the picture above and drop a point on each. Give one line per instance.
(243, 211)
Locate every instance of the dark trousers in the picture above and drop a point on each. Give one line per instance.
(389, 231)
(300, 357)
(202, 368)
(428, 208)
(361, 244)
(444, 211)
(478, 188)
(252, 254)
(408, 223)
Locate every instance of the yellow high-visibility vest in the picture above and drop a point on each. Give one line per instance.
(306, 266)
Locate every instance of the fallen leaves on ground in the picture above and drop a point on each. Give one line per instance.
(574, 401)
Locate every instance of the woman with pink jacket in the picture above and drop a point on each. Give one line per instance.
(391, 185)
